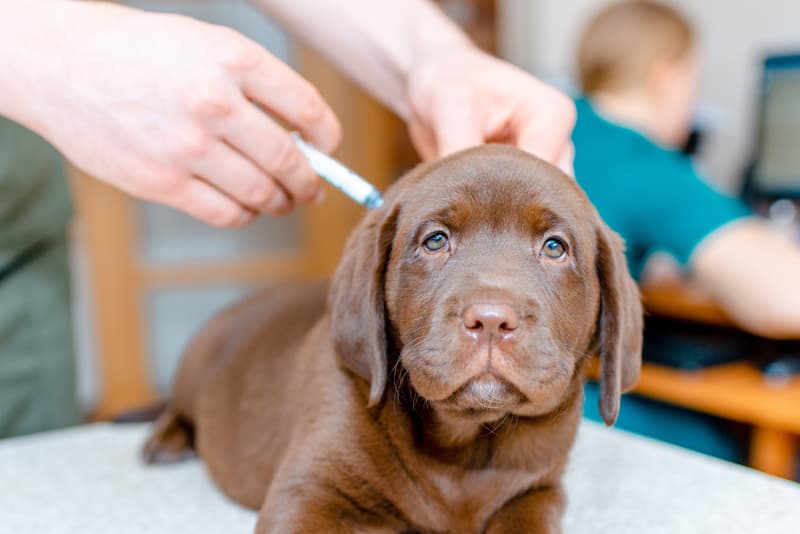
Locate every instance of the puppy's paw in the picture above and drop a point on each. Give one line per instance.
(171, 441)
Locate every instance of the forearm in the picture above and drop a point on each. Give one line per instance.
(376, 42)
(752, 271)
(27, 29)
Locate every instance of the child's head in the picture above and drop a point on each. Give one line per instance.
(643, 50)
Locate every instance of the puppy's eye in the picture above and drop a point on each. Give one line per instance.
(554, 248)
(436, 242)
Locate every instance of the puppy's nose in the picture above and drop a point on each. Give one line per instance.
(485, 320)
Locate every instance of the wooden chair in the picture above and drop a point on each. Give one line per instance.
(735, 391)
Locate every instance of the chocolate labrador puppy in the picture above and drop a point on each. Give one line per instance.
(439, 388)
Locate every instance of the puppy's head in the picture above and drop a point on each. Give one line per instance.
(493, 276)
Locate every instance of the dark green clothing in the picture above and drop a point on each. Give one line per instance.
(651, 196)
(37, 386)
(655, 200)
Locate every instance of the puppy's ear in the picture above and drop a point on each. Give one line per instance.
(620, 323)
(358, 314)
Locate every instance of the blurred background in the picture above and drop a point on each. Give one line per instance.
(146, 277)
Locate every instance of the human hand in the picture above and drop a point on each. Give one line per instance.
(462, 97)
(166, 108)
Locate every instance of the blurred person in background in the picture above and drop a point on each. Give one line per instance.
(638, 65)
(172, 110)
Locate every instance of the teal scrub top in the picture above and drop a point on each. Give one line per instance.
(652, 196)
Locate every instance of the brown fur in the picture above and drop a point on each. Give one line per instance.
(388, 410)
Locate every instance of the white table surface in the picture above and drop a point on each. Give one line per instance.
(89, 480)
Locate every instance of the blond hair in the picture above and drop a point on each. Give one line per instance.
(623, 41)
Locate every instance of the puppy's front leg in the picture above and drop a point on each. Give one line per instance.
(535, 512)
(314, 523)
(296, 516)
